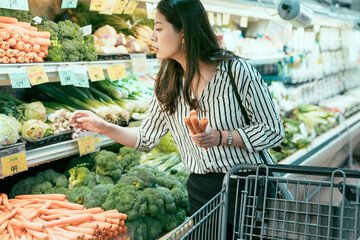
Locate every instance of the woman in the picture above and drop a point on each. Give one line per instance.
(194, 74)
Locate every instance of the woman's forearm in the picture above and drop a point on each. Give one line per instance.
(123, 135)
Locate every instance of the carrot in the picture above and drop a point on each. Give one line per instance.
(8, 27)
(5, 201)
(70, 206)
(5, 59)
(4, 35)
(113, 215)
(28, 48)
(28, 236)
(28, 225)
(54, 216)
(33, 34)
(7, 237)
(113, 221)
(193, 113)
(203, 124)
(12, 60)
(195, 123)
(84, 230)
(31, 55)
(43, 42)
(38, 235)
(36, 48)
(99, 218)
(44, 34)
(8, 19)
(9, 53)
(20, 59)
(23, 237)
(64, 233)
(1, 40)
(5, 45)
(22, 53)
(11, 231)
(43, 48)
(26, 60)
(189, 125)
(20, 46)
(16, 36)
(33, 28)
(32, 41)
(38, 59)
(70, 220)
(2, 52)
(25, 38)
(18, 232)
(3, 226)
(16, 53)
(23, 25)
(93, 225)
(55, 196)
(11, 41)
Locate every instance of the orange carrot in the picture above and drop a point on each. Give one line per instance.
(33, 34)
(38, 59)
(38, 235)
(28, 236)
(4, 35)
(9, 53)
(189, 125)
(5, 201)
(20, 46)
(43, 42)
(28, 48)
(1, 40)
(17, 231)
(16, 36)
(11, 41)
(20, 59)
(12, 60)
(8, 27)
(113, 215)
(43, 34)
(203, 123)
(5, 59)
(41, 54)
(2, 52)
(16, 53)
(23, 25)
(7, 237)
(193, 113)
(70, 220)
(93, 225)
(84, 230)
(32, 41)
(3, 226)
(195, 123)
(64, 233)
(44, 48)
(5, 45)
(28, 225)
(8, 19)
(26, 60)
(11, 231)
(31, 55)
(36, 48)
(33, 29)
(25, 38)
(22, 53)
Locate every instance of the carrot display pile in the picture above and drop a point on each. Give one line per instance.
(195, 126)
(52, 217)
(30, 44)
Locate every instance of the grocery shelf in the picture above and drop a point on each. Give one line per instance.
(331, 148)
(51, 68)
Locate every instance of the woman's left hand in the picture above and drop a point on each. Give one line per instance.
(209, 138)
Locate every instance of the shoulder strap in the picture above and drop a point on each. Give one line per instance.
(243, 111)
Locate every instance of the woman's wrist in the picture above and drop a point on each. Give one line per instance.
(222, 138)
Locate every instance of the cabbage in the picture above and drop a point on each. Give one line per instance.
(34, 129)
(167, 144)
(8, 130)
(17, 124)
(35, 110)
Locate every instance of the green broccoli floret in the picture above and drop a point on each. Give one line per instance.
(180, 215)
(97, 196)
(129, 158)
(68, 47)
(107, 163)
(62, 190)
(40, 187)
(168, 222)
(168, 199)
(169, 181)
(182, 176)
(102, 179)
(155, 203)
(139, 227)
(154, 227)
(88, 39)
(50, 26)
(77, 194)
(132, 181)
(145, 168)
(126, 199)
(21, 15)
(81, 176)
(148, 179)
(55, 54)
(68, 29)
(84, 161)
(89, 54)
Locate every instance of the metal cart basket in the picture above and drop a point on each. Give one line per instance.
(273, 202)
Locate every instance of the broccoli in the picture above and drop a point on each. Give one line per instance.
(77, 194)
(139, 227)
(108, 164)
(23, 16)
(155, 203)
(126, 199)
(62, 190)
(84, 161)
(145, 168)
(51, 27)
(168, 199)
(102, 179)
(168, 222)
(169, 181)
(97, 196)
(81, 176)
(148, 179)
(40, 187)
(129, 158)
(132, 181)
(68, 29)
(56, 179)
(154, 227)
(182, 176)
(180, 215)
(55, 54)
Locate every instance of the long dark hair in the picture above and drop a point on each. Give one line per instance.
(201, 44)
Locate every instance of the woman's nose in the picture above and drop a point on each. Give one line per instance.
(153, 36)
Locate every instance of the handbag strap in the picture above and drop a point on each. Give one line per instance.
(243, 111)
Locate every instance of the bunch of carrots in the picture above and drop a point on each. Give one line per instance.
(51, 217)
(194, 124)
(22, 43)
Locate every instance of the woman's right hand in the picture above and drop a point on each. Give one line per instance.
(88, 120)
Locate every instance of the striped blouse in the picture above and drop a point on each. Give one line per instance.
(224, 113)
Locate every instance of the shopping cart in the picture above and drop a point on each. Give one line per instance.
(280, 202)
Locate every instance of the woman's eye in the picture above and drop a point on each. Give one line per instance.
(157, 29)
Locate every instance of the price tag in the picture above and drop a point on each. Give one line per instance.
(211, 18)
(14, 163)
(150, 10)
(244, 22)
(130, 8)
(96, 73)
(69, 4)
(97, 5)
(19, 80)
(97, 140)
(218, 19)
(19, 5)
(116, 72)
(5, 4)
(81, 78)
(120, 6)
(87, 30)
(37, 75)
(37, 20)
(110, 4)
(138, 62)
(66, 75)
(86, 145)
(226, 19)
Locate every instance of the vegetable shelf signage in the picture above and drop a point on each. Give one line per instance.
(117, 72)
(13, 160)
(86, 145)
(96, 73)
(37, 75)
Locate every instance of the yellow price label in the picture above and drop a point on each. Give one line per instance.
(96, 73)
(97, 5)
(13, 164)
(97, 140)
(120, 6)
(117, 72)
(130, 8)
(110, 4)
(37, 75)
(86, 145)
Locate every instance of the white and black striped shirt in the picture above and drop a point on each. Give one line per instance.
(223, 111)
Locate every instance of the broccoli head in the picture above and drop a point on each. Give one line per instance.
(129, 158)
(168, 199)
(155, 203)
(168, 222)
(97, 196)
(102, 179)
(55, 54)
(139, 227)
(108, 164)
(62, 190)
(132, 181)
(126, 199)
(148, 179)
(169, 181)
(77, 194)
(182, 176)
(69, 30)
(154, 227)
(180, 215)
(81, 176)
(84, 161)
(51, 27)
(145, 168)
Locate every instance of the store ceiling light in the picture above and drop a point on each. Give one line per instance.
(297, 13)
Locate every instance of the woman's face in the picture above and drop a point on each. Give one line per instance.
(167, 42)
